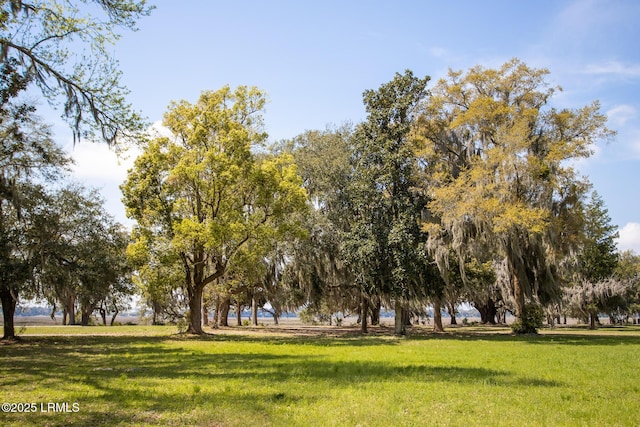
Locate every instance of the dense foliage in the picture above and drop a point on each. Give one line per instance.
(463, 193)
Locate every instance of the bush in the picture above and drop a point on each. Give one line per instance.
(182, 325)
(531, 322)
(306, 316)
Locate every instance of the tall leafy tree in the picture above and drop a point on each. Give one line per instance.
(382, 242)
(19, 250)
(206, 193)
(158, 275)
(315, 273)
(507, 186)
(597, 261)
(599, 255)
(27, 156)
(65, 48)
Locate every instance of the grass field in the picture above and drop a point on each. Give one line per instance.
(135, 375)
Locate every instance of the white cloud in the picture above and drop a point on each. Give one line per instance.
(630, 237)
(157, 129)
(620, 114)
(97, 162)
(614, 68)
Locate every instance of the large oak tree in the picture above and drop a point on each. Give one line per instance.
(502, 180)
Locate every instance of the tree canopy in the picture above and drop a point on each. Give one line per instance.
(502, 179)
(206, 194)
(462, 192)
(64, 47)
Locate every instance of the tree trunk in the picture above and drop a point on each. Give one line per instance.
(502, 316)
(239, 314)
(375, 312)
(156, 310)
(64, 316)
(85, 312)
(224, 311)
(487, 311)
(195, 310)
(592, 321)
(452, 314)
(518, 294)
(8, 311)
(399, 324)
(115, 314)
(254, 311)
(551, 320)
(205, 315)
(406, 317)
(103, 315)
(275, 318)
(70, 307)
(364, 312)
(437, 315)
(216, 313)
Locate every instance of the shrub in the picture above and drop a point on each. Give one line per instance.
(531, 322)
(306, 316)
(182, 325)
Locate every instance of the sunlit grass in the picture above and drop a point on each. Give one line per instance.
(67, 330)
(469, 377)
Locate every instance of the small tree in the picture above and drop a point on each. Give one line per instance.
(83, 253)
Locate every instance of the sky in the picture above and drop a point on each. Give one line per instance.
(314, 60)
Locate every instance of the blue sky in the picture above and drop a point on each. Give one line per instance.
(314, 59)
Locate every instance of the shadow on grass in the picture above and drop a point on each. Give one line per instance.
(92, 359)
(145, 380)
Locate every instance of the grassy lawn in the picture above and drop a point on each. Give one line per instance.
(472, 376)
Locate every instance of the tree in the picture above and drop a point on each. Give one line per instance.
(382, 241)
(28, 155)
(206, 193)
(597, 262)
(506, 185)
(64, 47)
(19, 250)
(83, 252)
(314, 273)
(628, 270)
(599, 255)
(158, 275)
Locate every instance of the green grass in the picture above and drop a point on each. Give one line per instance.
(474, 376)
